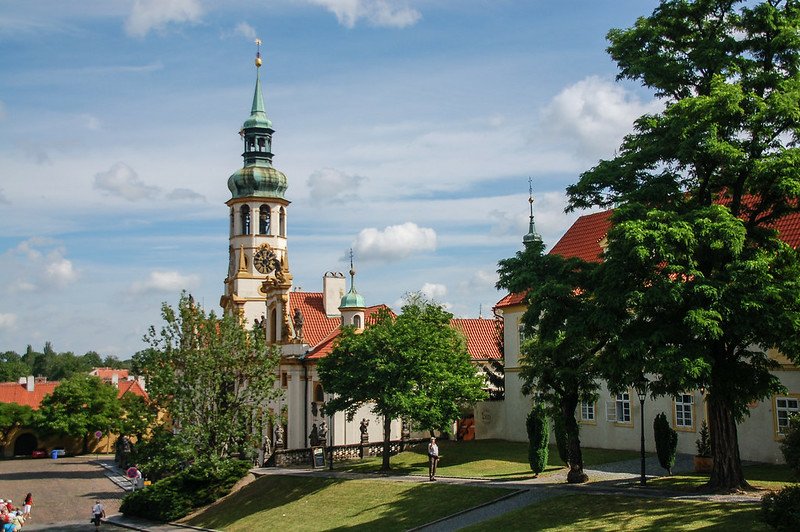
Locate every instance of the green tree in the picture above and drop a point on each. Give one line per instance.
(78, 407)
(790, 446)
(211, 375)
(12, 367)
(139, 415)
(414, 365)
(559, 355)
(538, 429)
(695, 284)
(666, 442)
(13, 416)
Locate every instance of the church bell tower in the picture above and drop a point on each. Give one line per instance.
(258, 281)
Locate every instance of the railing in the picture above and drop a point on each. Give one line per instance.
(353, 451)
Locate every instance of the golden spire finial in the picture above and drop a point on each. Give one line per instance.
(258, 53)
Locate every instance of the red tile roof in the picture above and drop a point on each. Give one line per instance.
(316, 324)
(582, 240)
(482, 337)
(12, 392)
(323, 348)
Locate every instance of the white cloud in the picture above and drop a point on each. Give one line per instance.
(122, 180)
(245, 30)
(147, 15)
(8, 320)
(185, 194)
(164, 281)
(595, 114)
(330, 184)
(376, 12)
(394, 242)
(434, 291)
(40, 263)
(90, 122)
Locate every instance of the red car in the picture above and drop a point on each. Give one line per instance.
(39, 453)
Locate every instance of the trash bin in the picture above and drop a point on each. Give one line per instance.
(54, 454)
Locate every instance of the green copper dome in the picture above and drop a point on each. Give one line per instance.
(353, 300)
(259, 181)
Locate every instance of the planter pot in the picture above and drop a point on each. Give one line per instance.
(703, 464)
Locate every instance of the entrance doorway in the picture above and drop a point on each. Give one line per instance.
(25, 444)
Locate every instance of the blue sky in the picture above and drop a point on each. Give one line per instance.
(407, 129)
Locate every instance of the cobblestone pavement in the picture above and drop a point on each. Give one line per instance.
(64, 491)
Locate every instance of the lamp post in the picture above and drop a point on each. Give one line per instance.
(641, 392)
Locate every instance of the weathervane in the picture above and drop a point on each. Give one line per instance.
(258, 53)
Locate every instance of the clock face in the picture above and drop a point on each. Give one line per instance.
(265, 259)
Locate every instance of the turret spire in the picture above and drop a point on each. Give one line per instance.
(532, 234)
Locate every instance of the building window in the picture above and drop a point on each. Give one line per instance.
(521, 330)
(683, 411)
(357, 321)
(623, 407)
(319, 394)
(785, 408)
(282, 222)
(264, 216)
(284, 380)
(587, 411)
(245, 219)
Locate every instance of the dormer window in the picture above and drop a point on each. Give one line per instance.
(264, 216)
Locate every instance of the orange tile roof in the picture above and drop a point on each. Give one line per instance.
(12, 392)
(108, 373)
(323, 348)
(482, 337)
(131, 387)
(316, 324)
(512, 299)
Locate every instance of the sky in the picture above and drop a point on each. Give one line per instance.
(407, 130)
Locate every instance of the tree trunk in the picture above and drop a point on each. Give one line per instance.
(726, 473)
(387, 446)
(574, 454)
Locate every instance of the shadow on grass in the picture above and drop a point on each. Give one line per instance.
(618, 512)
(763, 477)
(303, 503)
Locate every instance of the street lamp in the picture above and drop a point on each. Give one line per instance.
(641, 392)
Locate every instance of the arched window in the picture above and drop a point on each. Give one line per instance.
(245, 219)
(264, 216)
(232, 217)
(319, 394)
(357, 321)
(283, 222)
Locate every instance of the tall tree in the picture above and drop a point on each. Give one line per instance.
(562, 341)
(212, 375)
(696, 283)
(13, 415)
(414, 365)
(79, 406)
(139, 415)
(12, 367)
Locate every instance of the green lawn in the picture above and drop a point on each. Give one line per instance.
(310, 503)
(618, 512)
(763, 476)
(495, 459)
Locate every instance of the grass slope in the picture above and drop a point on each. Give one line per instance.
(494, 459)
(762, 476)
(308, 503)
(617, 512)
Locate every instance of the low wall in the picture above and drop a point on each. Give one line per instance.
(353, 451)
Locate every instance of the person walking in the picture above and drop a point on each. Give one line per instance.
(98, 513)
(433, 458)
(26, 506)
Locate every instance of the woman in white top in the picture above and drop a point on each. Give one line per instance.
(433, 458)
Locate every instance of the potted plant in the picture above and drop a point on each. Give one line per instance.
(703, 461)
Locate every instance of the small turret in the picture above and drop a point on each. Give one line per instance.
(353, 306)
(532, 234)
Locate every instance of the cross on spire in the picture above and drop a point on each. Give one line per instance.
(532, 234)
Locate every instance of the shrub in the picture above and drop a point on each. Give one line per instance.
(538, 436)
(781, 510)
(666, 442)
(703, 443)
(791, 445)
(174, 497)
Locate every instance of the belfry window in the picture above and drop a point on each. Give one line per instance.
(245, 219)
(357, 321)
(264, 216)
(283, 222)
